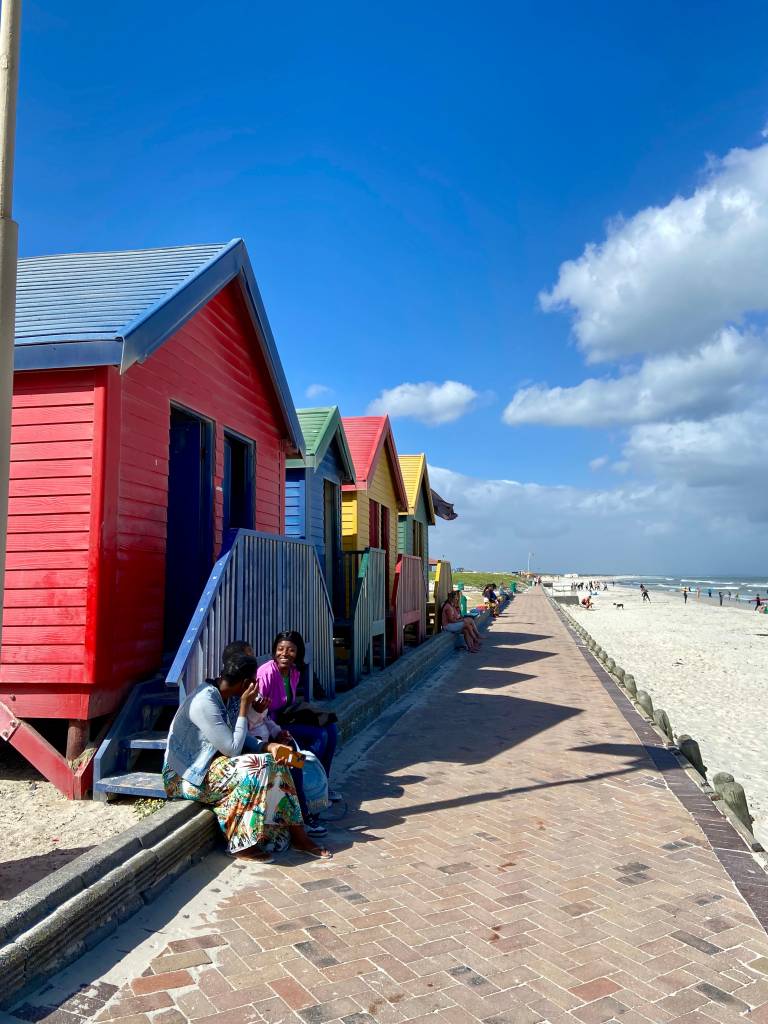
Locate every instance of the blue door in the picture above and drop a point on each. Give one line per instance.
(189, 538)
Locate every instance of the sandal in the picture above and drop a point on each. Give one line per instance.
(318, 852)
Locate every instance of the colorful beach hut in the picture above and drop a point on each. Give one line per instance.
(151, 416)
(313, 487)
(372, 504)
(413, 525)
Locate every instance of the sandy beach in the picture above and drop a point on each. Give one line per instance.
(706, 666)
(41, 830)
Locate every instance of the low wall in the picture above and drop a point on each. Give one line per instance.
(56, 920)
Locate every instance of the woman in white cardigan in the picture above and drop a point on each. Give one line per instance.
(252, 795)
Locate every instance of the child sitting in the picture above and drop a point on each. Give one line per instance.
(260, 726)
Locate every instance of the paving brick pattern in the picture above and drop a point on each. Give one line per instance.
(512, 855)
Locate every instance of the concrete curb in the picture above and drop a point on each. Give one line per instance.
(56, 920)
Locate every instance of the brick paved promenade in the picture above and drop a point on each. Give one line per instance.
(511, 855)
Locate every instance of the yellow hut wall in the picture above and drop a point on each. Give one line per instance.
(354, 514)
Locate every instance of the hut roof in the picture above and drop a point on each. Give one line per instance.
(368, 437)
(321, 427)
(116, 308)
(416, 477)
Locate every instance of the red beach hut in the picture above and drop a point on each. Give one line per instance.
(150, 416)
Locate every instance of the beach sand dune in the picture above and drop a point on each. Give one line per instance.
(707, 667)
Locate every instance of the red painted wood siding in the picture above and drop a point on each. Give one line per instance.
(213, 367)
(52, 538)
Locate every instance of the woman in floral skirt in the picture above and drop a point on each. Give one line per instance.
(252, 794)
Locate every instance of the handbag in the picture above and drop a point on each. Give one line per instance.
(302, 713)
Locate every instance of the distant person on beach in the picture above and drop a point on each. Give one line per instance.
(758, 602)
(709, 592)
(685, 595)
(644, 592)
(720, 595)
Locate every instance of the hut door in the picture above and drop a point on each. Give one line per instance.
(189, 537)
(385, 541)
(332, 532)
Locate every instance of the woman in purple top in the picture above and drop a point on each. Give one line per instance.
(278, 680)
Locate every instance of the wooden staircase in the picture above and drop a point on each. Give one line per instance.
(260, 585)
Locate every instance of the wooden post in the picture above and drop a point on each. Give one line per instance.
(77, 738)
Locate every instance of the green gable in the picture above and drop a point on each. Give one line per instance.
(321, 427)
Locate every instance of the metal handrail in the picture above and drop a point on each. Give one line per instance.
(263, 584)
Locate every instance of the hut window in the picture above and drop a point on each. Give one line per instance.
(239, 483)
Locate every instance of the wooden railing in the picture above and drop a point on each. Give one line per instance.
(369, 611)
(263, 584)
(409, 600)
(441, 588)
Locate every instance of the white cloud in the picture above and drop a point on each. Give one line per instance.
(671, 276)
(720, 376)
(726, 453)
(598, 463)
(427, 402)
(318, 390)
(661, 526)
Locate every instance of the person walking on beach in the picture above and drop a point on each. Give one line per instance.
(720, 595)
(644, 592)
(685, 595)
(758, 602)
(709, 592)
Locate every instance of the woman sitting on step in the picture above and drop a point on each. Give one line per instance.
(252, 795)
(452, 622)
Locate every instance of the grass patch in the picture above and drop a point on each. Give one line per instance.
(479, 579)
(146, 806)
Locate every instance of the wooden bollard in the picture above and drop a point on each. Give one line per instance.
(661, 718)
(645, 702)
(734, 796)
(689, 748)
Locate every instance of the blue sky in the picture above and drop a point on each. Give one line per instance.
(408, 181)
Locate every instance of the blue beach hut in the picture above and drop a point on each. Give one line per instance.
(313, 486)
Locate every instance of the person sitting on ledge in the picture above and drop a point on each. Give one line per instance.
(278, 681)
(489, 595)
(252, 795)
(452, 622)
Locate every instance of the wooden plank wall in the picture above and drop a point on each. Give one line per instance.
(295, 502)
(355, 514)
(50, 540)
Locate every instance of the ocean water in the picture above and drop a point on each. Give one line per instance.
(746, 587)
